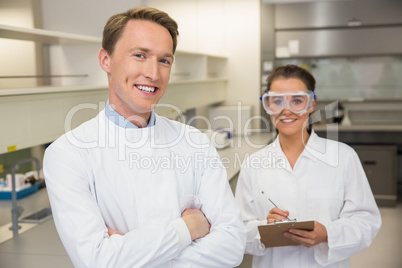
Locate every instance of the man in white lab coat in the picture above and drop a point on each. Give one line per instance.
(129, 188)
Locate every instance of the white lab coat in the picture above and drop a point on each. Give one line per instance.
(139, 181)
(327, 184)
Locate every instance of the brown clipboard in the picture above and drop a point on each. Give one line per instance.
(272, 234)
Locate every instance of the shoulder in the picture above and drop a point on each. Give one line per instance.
(332, 145)
(168, 123)
(259, 160)
(329, 151)
(271, 149)
(173, 124)
(79, 137)
(185, 133)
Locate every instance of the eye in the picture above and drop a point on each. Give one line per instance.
(165, 61)
(297, 101)
(140, 56)
(276, 101)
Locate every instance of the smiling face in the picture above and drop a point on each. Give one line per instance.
(289, 123)
(138, 69)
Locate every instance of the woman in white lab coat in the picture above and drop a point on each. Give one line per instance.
(307, 178)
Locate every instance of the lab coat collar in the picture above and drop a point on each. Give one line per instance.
(322, 150)
(312, 145)
(119, 120)
(312, 150)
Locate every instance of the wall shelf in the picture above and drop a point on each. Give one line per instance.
(189, 94)
(39, 114)
(200, 81)
(181, 52)
(44, 36)
(33, 119)
(49, 89)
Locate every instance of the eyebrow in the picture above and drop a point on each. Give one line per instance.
(147, 50)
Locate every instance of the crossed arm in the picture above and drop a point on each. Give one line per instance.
(195, 220)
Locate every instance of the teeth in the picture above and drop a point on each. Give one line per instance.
(147, 89)
(288, 120)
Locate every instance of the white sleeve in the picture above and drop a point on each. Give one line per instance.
(359, 220)
(81, 226)
(247, 203)
(224, 245)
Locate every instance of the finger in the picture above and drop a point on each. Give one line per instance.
(279, 211)
(299, 240)
(302, 233)
(275, 217)
(109, 231)
(188, 211)
(272, 219)
(184, 212)
(192, 211)
(292, 237)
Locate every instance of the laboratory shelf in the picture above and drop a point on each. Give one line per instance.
(7, 195)
(49, 89)
(44, 36)
(40, 114)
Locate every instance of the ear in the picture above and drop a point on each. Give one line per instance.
(313, 106)
(104, 60)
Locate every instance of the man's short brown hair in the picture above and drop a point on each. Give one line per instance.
(116, 23)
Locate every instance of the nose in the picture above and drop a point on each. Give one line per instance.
(151, 70)
(286, 109)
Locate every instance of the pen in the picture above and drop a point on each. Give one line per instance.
(273, 203)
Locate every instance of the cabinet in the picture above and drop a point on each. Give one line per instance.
(38, 115)
(197, 79)
(377, 147)
(380, 165)
(338, 29)
(356, 41)
(330, 14)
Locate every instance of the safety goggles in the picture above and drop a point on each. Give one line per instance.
(297, 102)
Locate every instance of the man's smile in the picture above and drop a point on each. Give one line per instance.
(147, 89)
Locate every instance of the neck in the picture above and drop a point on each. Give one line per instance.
(293, 145)
(138, 119)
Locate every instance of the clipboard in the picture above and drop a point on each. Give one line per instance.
(272, 234)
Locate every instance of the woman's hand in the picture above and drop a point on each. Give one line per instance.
(309, 238)
(277, 214)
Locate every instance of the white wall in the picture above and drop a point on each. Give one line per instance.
(13, 52)
(79, 17)
(229, 27)
(243, 46)
(82, 17)
(201, 23)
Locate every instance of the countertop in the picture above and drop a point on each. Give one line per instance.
(360, 128)
(362, 134)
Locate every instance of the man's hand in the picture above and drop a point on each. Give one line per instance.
(277, 214)
(111, 232)
(309, 238)
(196, 222)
